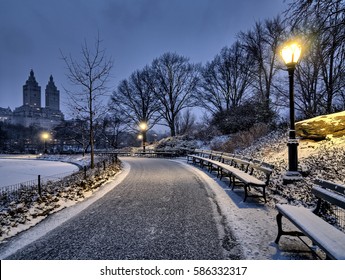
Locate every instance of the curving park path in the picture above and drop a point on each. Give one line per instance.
(160, 210)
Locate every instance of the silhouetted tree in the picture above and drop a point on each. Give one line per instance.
(89, 74)
(135, 99)
(176, 80)
(185, 122)
(115, 124)
(225, 80)
(323, 21)
(261, 44)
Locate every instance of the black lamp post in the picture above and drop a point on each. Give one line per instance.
(291, 53)
(45, 136)
(143, 128)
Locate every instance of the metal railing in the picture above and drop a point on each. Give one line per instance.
(15, 189)
(336, 216)
(31, 190)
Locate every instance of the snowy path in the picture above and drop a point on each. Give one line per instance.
(158, 209)
(161, 210)
(15, 171)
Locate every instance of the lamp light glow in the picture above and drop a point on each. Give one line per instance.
(45, 135)
(291, 53)
(143, 126)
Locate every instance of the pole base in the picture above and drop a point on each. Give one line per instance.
(291, 176)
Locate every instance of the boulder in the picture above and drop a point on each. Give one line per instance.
(321, 127)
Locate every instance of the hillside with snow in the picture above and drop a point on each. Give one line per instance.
(321, 154)
(323, 159)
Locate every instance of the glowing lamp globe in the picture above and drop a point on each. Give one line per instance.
(143, 126)
(291, 53)
(45, 135)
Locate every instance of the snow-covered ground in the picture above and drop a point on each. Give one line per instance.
(66, 210)
(18, 170)
(30, 209)
(254, 223)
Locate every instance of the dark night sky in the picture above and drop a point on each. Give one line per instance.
(134, 32)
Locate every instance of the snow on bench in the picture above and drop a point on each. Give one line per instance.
(242, 171)
(248, 174)
(326, 236)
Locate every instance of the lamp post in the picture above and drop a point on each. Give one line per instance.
(45, 137)
(143, 129)
(140, 137)
(291, 53)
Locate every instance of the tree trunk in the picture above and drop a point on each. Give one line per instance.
(91, 133)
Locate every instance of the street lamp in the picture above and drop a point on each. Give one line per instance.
(291, 53)
(143, 128)
(141, 137)
(45, 137)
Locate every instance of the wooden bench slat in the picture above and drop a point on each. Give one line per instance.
(331, 197)
(329, 238)
(330, 185)
(326, 236)
(234, 167)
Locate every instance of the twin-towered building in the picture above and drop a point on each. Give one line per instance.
(31, 112)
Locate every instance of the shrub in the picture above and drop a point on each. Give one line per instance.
(242, 118)
(244, 139)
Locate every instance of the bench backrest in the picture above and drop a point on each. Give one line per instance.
(330, 185)
(330, 192)
(216, 155)
(196, 151)
(266, 171)
(227, 159)
(206, 154)
(242, 164)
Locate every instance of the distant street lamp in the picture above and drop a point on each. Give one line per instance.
(140, 137)
(291, 53)
(45, 137)
(143, 129)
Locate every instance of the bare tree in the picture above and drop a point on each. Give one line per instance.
(185, 122)
(308, 85)
(261, 43)
(89, 74)
(114, 125)
(225, 80)
(176, 81)
(135, 98)
(319, 13)
(325, 22)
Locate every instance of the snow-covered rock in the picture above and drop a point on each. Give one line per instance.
(322, 127)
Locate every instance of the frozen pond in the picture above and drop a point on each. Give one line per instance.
(14, 171)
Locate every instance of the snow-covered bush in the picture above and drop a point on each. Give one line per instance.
(178, 144)
(30, 205)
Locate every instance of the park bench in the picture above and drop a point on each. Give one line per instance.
(199, 157)
(213, 160)
(206, 158)
(244, 172)
(326, 236)
(247, 173)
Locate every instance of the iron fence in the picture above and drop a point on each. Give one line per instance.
(30, 190)
(336, 216)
